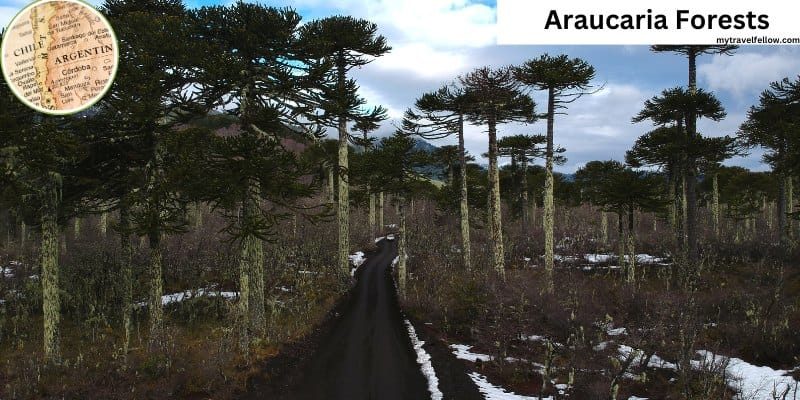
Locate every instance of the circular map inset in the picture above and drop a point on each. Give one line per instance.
(59, 57)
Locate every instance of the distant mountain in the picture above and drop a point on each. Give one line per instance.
(423, 145)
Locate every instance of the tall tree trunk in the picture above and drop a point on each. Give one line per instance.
(197, 215)
(604, 227)
(402, 251)
(76, 227)
(371, 212)
(621, 238)
(673, 212)
(549, 222)
(631, 268)
(253, 249)
(526, 219)
(691, 170)
(23, 234)
(102, 225)
(343, 214)
(464, 203)
(498, 252)
(48, 253)
(155, 307)
(331, 186)
(126, 272)
(381, 226)
(790, 206)
(715, 203)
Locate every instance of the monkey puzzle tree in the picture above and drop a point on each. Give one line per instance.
(437, 115)
(39, 156)
(494, 97)
(691, 52)
(674, 108)
(713, 151)
(522, 149)
(344, 43)
(773, 125)
(619, 189)
(146, 104)
(263, 74)
(565, 80)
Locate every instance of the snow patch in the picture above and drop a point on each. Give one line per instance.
(492, 392)
(191, 294)
(424, 361)
(356, 260)
(753, 382)
(462, 352)
(655, 361)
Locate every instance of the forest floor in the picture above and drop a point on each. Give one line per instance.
(364, 350)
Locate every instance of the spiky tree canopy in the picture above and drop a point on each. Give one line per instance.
(674, 106)
(617, 188)
(342, 43)
(569, 78)
(774, 124)
(494, 95)
(436, 114)
(524, 148)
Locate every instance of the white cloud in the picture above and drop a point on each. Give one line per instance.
(423, 61)
(439, 23)
(746, 74)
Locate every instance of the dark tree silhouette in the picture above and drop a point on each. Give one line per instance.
(494, 97)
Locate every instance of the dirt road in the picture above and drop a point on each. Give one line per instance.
(367, 354)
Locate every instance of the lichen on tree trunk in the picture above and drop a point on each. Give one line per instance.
(604, 227)
(343, 214)
(549, 185)
(496, 226)
(371, 212)
(464, 203)
(126, 273)
(48, 253)
(402, 251)
(715, 203)
(381, 226)
(155, 307)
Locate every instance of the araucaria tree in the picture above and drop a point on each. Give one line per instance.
(437, 115)
(39, 156)
(267, 81)
(691, 52)
(494, 97)
(673, 110)
(774, 125)
(522, 149)
(344, 43)
(619, 189)
(565, 80)
(141, 113)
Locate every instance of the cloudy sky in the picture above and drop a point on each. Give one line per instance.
(434, 41)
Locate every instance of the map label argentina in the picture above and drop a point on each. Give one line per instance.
(59, 57)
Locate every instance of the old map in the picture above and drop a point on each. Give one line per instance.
(59, 56)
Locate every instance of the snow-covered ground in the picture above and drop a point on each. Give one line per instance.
(191, 294)
(356, 260)
(492, 392)
(462, 352)
(424, 361)
(751, 381)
